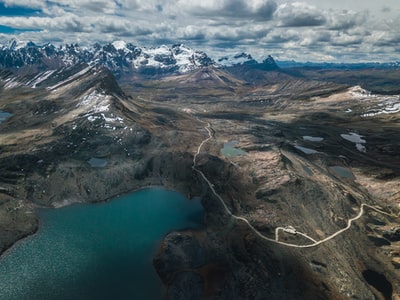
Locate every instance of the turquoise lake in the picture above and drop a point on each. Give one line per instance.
(97, 251)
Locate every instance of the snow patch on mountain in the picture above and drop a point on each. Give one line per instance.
(120, 45)
(95, 102)
(117, 56)
(97, 107)
(154, 57)
(11, 82)
(40, 78)
(356, 139)
(15, 44)
(120, 57)
(186, 58)
(358, 92)
(387, 105)
(71, 78)
(237, 59)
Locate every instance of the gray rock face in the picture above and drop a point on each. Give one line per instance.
(177, 265)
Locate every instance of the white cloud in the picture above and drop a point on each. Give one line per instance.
(307, 30)
(25, 3)
(344, 20)
(68, 22)
(259, 9)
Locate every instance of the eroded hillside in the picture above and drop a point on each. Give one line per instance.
(276, 152)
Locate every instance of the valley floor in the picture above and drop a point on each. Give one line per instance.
(303, 162)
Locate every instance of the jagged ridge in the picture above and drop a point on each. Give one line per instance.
(119, 57)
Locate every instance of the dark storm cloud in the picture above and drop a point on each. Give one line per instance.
(299, 15)
(281, 36)
(241, 8)
(193, 35)
(260, 10)
(239, 34)
(389, 40)
(122, 28)
(74, 25)
(96, 6)
(303, 19)
(346, 40)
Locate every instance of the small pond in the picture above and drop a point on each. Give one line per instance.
(356, 139)
(4, 115)
(97, 162)
(342, 172)
(307, 170)
(229, 149)
(313, 138)
(306, 150)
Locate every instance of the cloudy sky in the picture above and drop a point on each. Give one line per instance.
(307, 30)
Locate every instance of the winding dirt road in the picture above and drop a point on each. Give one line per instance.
(287, 229)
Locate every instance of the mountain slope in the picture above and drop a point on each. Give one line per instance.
(311, 154)
(206, 78)
(74, 136)
(75, 113)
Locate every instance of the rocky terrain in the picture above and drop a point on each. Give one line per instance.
(314, 152)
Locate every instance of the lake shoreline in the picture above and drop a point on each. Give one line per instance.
(167, 186)
(162, 202)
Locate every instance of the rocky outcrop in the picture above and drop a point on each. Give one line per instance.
(17, 220)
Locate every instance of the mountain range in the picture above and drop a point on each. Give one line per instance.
(119, 57)
(124, 58)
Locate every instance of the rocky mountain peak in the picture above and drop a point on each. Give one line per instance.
(14, 44)
(237, 59)
(270, 63)
(120, 57)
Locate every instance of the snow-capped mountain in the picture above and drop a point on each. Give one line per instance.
(178, 57)
(237, 59)
(62, 79)
(120, 57)
(246, 60)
